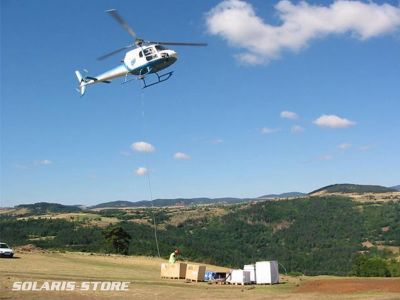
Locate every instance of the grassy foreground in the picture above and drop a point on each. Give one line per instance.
(143, 274)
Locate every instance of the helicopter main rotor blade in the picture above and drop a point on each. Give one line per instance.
(114, 52)
(179, 44)
(113, 13)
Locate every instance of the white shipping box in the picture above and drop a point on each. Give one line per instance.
(239, 277)
(267, 272)
(252, 270)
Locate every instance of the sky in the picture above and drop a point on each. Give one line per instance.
(287, 96)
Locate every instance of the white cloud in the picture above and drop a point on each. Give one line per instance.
(249, 59)
(289, 115)
(333, 121)
(43, 162)
(266, 130)
(237, 23)
(141, 171)
(142, 147)
(297, 129)
(344, 146)
(181, 156)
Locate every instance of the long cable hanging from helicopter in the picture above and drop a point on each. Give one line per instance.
(147, 173)
(146, 58)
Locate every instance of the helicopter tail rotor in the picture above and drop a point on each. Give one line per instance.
(82, 83)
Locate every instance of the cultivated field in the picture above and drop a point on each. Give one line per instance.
(145, 283)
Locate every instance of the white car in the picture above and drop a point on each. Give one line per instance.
(5, 250)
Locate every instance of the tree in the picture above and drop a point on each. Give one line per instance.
(118, 238)
(394, 267)
(370, 266)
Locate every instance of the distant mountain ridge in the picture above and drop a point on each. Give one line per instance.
(396, 187)
(169, 202)
(283, 195)
(347, 188)
(46, 207)
(191, 201)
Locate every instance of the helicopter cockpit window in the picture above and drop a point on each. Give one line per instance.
(150, 53)
(160, 48)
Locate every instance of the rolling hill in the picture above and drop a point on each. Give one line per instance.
(283, 195)
(41, 208)
(168, 202)
(347, 188)
(396, 187)
(44, 207)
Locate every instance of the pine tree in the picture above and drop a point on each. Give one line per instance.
(118, 238)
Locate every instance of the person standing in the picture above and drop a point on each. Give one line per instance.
(173, 256)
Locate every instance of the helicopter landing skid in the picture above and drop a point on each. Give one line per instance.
(160, 78)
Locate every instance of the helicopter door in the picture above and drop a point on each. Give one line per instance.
(150, 53)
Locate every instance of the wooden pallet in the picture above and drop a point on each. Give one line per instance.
(193, 280)
(237, 283)
(166, 277)
(221, 282)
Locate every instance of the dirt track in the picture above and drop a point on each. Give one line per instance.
(347, 286)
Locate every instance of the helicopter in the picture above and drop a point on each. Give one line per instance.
(147, 57)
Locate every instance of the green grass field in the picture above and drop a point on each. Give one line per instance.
(143, 273)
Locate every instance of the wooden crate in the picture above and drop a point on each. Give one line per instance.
(175, 271)
(195, 272)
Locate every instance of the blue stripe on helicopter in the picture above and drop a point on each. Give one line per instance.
(149, 64)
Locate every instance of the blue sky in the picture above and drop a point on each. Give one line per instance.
(221, 108)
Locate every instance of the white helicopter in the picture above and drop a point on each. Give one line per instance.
(147, 58)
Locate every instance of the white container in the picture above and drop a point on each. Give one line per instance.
(239, 277)
(267, 272)
(252, 270)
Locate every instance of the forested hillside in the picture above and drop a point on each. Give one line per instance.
(319, 235)
(45, 208)
(354, 188)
